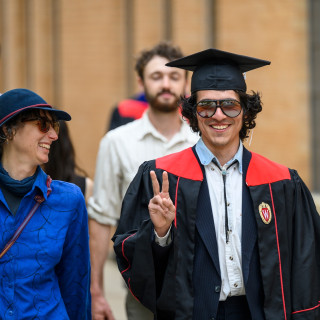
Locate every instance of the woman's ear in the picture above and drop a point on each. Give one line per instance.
(8, 133)
(4, 132)
(5, 129)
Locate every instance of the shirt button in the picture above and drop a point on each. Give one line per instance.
(212, 169)
(10, 312)
(231, 258)
(235, 285)
(217, 288)
(228, 204)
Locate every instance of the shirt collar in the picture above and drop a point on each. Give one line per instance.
(148, 128)
(206, 156)
(41, 183)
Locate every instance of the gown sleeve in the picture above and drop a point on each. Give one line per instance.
(133, 240)
(305, 267)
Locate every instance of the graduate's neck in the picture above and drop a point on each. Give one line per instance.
(221, 152)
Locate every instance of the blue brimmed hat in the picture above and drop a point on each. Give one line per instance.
(18, 100)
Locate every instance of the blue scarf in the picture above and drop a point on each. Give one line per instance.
(19, 188)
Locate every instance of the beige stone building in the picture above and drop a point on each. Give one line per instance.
(79, 55)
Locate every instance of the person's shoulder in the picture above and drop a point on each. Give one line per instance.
(66, 189)
(192, 136)
(187, 152)
(123, 136)
(128, 128)
(132, 108)
(66, 202)
(183, 164)
(262, 170)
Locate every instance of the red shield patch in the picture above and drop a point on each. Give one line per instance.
(265, 212)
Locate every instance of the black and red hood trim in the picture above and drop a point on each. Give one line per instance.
(264, 171)
(183, 164)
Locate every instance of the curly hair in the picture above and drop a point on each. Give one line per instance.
(251, 105)
(163, 49)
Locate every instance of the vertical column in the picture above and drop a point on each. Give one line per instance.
(13, 44)
(39, 47)
(148, 20)
(190, 24)
(56, 52)
(167, 19)
(129, 45)
(211, 27)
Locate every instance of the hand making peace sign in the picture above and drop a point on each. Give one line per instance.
(161, 209)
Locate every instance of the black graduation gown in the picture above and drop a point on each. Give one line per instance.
(280, 243)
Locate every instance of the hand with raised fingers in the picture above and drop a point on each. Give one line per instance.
(161, 208)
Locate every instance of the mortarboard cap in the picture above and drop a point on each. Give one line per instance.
(217, 70)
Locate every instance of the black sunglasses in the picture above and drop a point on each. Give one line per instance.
(44, 124)
(207, 108)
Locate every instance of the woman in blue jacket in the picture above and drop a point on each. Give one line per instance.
(44, 259)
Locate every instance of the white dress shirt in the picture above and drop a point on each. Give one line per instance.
(121, 152)
(229, 251)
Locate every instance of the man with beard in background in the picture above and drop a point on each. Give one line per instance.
(159, 132)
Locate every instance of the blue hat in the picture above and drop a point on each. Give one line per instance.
(18, 100)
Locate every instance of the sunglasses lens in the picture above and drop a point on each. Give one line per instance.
(231, 108)
(44, 125)
(206, 108)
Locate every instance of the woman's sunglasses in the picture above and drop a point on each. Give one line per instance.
(44, 124)
(207, 108)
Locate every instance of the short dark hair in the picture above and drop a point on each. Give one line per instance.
(163, 49)
(251, 106)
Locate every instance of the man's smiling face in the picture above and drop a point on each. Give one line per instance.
(220, 133)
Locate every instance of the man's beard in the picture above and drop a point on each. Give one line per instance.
(165, 107)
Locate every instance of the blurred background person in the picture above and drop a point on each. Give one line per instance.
(46, 273)
(160, 131)
(62, 163)
(128, 110)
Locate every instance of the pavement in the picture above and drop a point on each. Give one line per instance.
(115, 290)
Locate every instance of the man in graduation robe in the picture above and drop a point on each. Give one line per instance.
(216, 231)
